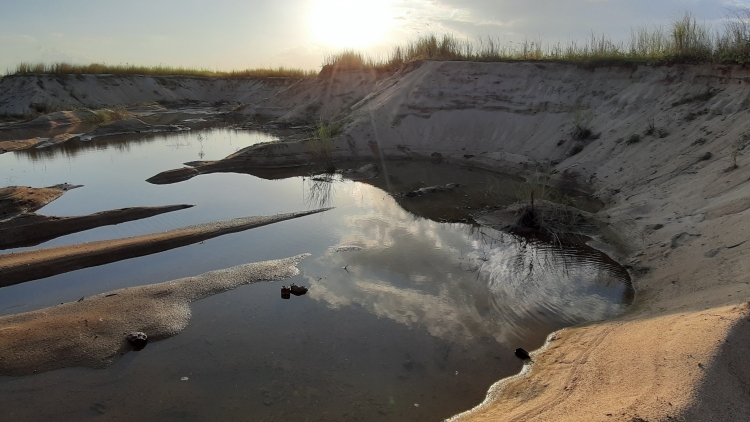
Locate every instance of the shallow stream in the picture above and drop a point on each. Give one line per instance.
(414, 326)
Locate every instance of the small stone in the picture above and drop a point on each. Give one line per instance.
(297, 290)
(137, 339)
(522, 354)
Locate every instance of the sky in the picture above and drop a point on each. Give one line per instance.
(224, 35)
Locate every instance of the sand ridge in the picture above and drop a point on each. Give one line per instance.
(31, 265)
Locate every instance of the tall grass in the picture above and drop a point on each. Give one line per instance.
(685, 40)
(129, 69)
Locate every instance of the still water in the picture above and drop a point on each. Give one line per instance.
(414, 326)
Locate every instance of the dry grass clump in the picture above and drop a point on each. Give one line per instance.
(107, 115)
(685, 40)
(129, 69)
(545, 210)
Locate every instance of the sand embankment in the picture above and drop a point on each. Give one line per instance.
(31, 265)
(17, 200)
(92, 332)
(668, 157)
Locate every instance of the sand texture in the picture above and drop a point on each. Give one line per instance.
(16, 200)
(92, 332)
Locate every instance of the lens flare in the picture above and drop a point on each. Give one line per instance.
(350, 23)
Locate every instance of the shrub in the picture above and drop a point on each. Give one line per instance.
(634, 138)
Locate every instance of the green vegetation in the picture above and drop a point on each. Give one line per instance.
(576, 149)
(634, 139)
(320, 142)
(128, 69)
(107, 115)
(582, 120)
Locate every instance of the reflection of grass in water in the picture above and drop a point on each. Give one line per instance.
(319, 190)
(547, 210)
(534, 254)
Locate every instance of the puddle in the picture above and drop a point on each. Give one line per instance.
(413, 320)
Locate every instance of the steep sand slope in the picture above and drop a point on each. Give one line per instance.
(676, 209)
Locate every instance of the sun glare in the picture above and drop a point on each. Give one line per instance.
(350, 23)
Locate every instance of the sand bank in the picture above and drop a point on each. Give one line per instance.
(31, 229)
(31, 265)
(92, 332)
(16, 200)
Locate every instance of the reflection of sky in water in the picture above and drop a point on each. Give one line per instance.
(425, 313)
(457, 281)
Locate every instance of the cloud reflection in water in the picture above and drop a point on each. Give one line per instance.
(461, 282)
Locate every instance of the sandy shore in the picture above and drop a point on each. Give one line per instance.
(666, 154)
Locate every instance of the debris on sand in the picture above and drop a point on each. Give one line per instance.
(346, 248)
(430, 189)
(522, 354)
(130, 126)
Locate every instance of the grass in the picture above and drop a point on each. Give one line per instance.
(320, 142)
(107, 115)
(702, 97)
(576, 150)
(128, 69)
(686, 40)
(547, 211)
(634, 139)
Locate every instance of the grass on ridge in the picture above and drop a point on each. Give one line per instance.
(686, 40)
(129, 69)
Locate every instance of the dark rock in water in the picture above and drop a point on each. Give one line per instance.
(138, 340)
(285, 291)
(297, 290)
(522, 354)
(431, 189)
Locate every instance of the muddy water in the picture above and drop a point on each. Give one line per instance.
(414, 326)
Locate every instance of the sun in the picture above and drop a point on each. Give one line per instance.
(350, 23)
